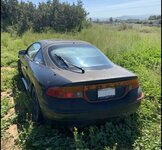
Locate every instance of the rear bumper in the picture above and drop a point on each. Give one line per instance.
(79, 112)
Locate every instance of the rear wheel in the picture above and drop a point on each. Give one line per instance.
(36, 111)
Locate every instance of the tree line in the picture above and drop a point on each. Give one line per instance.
(61, 17)
(154, 20)
(155, 17)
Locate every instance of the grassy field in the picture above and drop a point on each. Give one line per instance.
(137, 49)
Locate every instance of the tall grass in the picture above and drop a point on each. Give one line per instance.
(137, 49)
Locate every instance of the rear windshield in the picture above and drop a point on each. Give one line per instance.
(81, 55)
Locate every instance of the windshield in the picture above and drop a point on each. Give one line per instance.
(81, 55)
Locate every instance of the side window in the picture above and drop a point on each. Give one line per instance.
(33, 49)
(39, 58)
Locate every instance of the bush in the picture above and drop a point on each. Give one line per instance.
(61, 17)
(125, 26)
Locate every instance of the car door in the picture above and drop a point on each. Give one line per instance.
(31, 52)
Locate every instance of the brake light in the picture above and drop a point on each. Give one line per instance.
(133, 84)
(80, 91)
(65, 92)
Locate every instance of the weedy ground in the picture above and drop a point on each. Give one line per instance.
(137, 48)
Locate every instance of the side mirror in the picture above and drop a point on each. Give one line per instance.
(22, 52)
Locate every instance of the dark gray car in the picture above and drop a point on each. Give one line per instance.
(74, 83)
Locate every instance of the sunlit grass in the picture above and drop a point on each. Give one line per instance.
(137, 49)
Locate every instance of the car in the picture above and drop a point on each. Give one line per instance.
(72, 83)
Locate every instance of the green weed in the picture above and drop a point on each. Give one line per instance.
(137, 49)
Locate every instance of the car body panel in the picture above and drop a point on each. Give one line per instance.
(79, 112)
(90, 75)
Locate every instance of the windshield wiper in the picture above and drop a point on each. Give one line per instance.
(67, 63)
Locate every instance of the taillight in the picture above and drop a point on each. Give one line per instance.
(133, 84)
(65, 92)
(80, 91)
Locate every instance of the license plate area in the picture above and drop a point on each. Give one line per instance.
(106, 93)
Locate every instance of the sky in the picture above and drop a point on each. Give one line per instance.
(116, 8)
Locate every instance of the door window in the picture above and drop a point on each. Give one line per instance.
(39, 58)
(33, 49)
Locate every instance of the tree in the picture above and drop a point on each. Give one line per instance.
(52, 14)
(111, 20)
(154, 17)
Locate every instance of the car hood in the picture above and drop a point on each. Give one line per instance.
(115, 72)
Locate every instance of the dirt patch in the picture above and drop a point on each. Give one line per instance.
(8, 94)
(9, 113)
(12, 130)
(8, 144)
(11, 134)
(8, 68)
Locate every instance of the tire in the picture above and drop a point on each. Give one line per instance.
(19, 68)
(20, 75)
(36, 111)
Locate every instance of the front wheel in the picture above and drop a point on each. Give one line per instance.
(19, 68)
(36, 111)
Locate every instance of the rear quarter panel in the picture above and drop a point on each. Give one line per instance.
(43, 77)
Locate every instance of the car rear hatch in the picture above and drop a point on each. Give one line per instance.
(97, 85)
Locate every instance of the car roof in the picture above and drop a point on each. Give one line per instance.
(47, 42)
